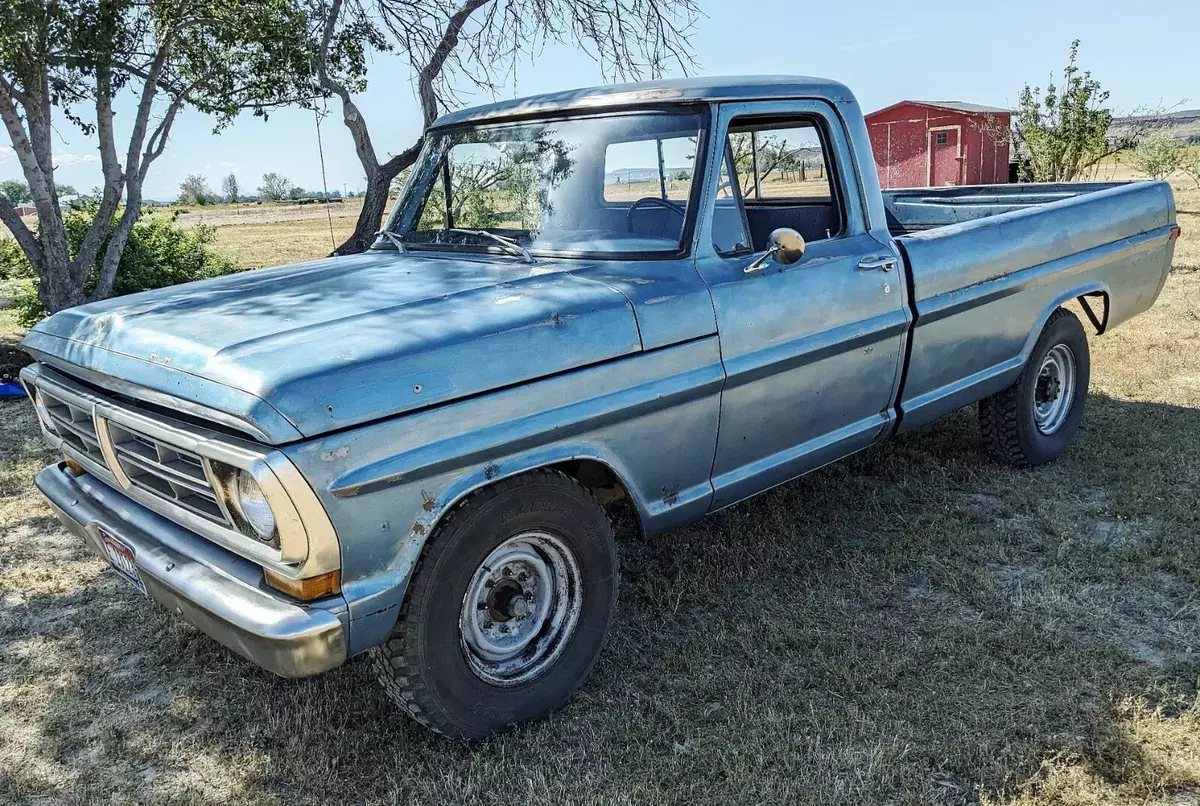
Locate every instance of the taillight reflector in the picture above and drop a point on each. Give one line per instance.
(1176, 231)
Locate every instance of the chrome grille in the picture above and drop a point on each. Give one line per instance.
(75, 425)
(165, 470)
(180, 470)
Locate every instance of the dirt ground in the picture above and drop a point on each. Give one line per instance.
(917, 624)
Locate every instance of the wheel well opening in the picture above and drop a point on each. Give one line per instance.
(1096, 306)
(603, 483)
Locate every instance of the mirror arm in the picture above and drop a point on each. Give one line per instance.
(760, 263)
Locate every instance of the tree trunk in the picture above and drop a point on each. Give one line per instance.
(379, 184)
(374, 204)
(57, 289)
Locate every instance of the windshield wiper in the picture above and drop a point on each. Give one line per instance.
(512, 246)
(394, 238)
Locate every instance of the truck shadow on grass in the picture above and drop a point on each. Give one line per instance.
(916, 624)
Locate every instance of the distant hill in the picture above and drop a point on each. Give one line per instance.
(1182, 125)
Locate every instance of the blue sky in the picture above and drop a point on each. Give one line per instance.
(883, 50)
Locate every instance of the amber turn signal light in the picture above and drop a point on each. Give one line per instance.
(305, 589)
(73, 466)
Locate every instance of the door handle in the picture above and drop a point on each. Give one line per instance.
(885, 262)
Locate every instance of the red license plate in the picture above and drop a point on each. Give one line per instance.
(120, 557)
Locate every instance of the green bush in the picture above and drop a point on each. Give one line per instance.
(12, 259)
(158, 254)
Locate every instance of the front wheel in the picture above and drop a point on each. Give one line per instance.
(1034, 420)
(507, 611)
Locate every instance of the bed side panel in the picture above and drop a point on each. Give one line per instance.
(983, 289)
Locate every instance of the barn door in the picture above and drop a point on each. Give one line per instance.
(945, 156)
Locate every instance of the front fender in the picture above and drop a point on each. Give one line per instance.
(651, 419)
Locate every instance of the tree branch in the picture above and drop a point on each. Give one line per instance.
(7, 88)
(116, 245)
(145, 104)
(25, 238)
(432, 70)
(34, 175)
(351, 116)
(85, 258)
(402, 160)
(158, 138)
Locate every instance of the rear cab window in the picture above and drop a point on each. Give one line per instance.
(649, 168)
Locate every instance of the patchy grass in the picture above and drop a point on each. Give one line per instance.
(258, 235)
(272, 234)
(917, 624)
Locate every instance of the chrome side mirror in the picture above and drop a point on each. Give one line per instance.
(787, 246)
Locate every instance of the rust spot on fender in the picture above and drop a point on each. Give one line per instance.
(430, 501)
(670, 496)
(418, 528)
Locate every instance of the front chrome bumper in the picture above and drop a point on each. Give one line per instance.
(216, 591)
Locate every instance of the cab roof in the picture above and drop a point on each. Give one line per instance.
(675, 90)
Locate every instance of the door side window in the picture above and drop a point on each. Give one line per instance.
(784, 179)
(730, 234)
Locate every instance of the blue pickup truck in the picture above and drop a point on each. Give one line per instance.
(678, 293)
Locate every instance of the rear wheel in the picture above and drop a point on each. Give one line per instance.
(507, 611)
(1034, 420)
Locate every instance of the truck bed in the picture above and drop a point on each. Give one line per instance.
(988, 265)
(912, 210)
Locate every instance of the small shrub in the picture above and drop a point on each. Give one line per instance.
(1158, 155)
(158, 254)
(13, 264)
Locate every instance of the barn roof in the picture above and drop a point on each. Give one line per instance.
(953, 106)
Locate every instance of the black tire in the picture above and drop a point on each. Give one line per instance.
(1007, 419)
(424, 665)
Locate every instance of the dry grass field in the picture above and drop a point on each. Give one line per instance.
(257, 235)
(917, 625)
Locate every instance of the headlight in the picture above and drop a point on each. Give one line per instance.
(254, 507)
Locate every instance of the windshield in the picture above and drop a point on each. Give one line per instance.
(599, 186)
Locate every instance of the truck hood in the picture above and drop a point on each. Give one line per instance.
(303, 349)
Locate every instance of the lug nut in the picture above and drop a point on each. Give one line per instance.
(504, 629)
(529, 596)
(487, 625)
(489, 584)
(507, 571)
(483, 605)
(522, 576)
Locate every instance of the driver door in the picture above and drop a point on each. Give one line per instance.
(812, 351)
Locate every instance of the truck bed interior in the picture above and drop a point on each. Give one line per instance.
(911, 210)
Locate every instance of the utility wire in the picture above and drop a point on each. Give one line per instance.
(324, 184)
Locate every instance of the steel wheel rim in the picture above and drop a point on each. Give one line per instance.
(520, 609)
(1054, 390)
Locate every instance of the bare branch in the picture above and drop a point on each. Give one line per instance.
(158, 138)
(454, 46)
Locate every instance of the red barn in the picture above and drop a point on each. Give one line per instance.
(936, 143)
